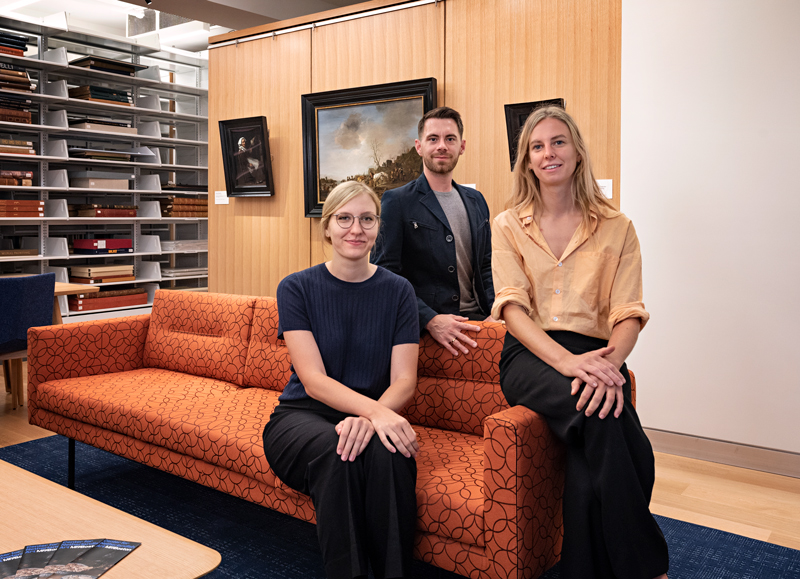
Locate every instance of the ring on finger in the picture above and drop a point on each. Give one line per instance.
(453, 341)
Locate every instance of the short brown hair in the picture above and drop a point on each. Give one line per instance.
(441, 113)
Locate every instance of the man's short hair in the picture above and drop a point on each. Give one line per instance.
(441, 113)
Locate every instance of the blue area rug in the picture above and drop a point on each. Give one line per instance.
(257, 543)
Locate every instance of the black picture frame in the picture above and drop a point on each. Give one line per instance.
(248, 166)
(517, 114)
(403, 96)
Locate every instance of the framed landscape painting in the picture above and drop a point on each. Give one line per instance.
(362, 134)
(517, 114)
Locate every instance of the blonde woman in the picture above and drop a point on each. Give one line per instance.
(568, 282)
(352, 332)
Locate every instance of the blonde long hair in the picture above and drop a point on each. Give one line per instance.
(586, 193)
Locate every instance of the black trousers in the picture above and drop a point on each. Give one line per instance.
(366, 509)
(608, 529)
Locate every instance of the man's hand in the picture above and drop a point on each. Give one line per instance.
(447, 329)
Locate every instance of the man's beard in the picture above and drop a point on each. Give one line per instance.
(434, 167)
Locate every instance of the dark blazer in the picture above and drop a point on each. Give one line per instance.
(416, 242)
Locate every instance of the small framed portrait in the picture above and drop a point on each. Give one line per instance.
(245, 157)
(362, 134)
(517, 114)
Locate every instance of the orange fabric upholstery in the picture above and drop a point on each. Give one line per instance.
(268, 364)
(199, 334)
(189, 388)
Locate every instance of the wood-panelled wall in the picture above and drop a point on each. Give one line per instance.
(484, 54)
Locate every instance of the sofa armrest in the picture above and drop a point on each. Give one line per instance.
(85, 349)
(523, 484)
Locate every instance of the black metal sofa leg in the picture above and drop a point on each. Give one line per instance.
(71, 465)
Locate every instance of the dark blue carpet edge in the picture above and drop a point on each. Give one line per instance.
(257, 543)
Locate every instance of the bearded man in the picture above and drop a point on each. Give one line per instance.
(437, 235)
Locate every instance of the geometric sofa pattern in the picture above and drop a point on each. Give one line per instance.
(188, 389)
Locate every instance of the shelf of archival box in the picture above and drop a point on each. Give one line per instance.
(57, 249)
(151, 292)
(147, 272)
(55, 60)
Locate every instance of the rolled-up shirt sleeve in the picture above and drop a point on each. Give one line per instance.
(626, 292)
(511, 284)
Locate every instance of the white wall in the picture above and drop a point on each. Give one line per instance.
(711, 179)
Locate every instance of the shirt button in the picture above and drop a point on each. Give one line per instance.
(451, 269)
(560, 264)
(558, 291)
(449, 238)
(555, 319)
(455, 298)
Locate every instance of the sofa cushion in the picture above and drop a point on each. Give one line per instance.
(268, 364)
(199, 333)
(207, 419)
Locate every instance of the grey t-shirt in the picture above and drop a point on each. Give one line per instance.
(456, 214)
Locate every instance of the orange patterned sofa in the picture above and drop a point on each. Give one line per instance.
(188, 388)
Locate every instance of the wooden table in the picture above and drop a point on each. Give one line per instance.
(36, 510)
(13, 365)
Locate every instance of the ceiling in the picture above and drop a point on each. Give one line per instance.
(104, 17)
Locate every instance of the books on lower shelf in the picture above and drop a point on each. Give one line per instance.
(92, 274)
(90, 302)
(183, 271)
(173, 206)
(87, 559)
(21, 208)
(97, 210)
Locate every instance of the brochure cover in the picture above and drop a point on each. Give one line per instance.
(61, 561)
(103, 556)
(34, 559)
(9, 562)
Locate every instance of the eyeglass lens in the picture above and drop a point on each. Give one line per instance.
(367, 220)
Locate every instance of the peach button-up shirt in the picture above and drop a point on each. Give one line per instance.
(596, 284)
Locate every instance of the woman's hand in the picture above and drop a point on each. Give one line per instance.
(613, 395)
(354, 433)
(395, 432)
(592, 368)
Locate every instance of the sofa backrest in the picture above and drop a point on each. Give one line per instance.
(268, 364)
(458, 393)
(203, 334)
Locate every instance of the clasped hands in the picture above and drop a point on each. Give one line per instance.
(394, 431)
(603, 380)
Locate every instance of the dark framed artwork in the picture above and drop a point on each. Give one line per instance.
(245, 157)
(362, 134)
(517, 114)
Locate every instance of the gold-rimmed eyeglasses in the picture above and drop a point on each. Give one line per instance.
(346, 220)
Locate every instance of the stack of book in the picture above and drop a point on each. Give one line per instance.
(86, 559)
(100, 179)
(102, 246)
(15, 108)
(99, 154)
(173, 206)
(100, 273)
(100, 210)
(13, 44)
(14, 77)
(185, 245)
(184, 271)
(108, 65)
(106, 124)
(108, 299)
(13, 176)
(101, 94)
(21, 208)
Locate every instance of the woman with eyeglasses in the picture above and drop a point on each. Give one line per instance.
(353, 336)
(568, 279)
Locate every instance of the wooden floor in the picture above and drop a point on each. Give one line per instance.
(754, 504)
